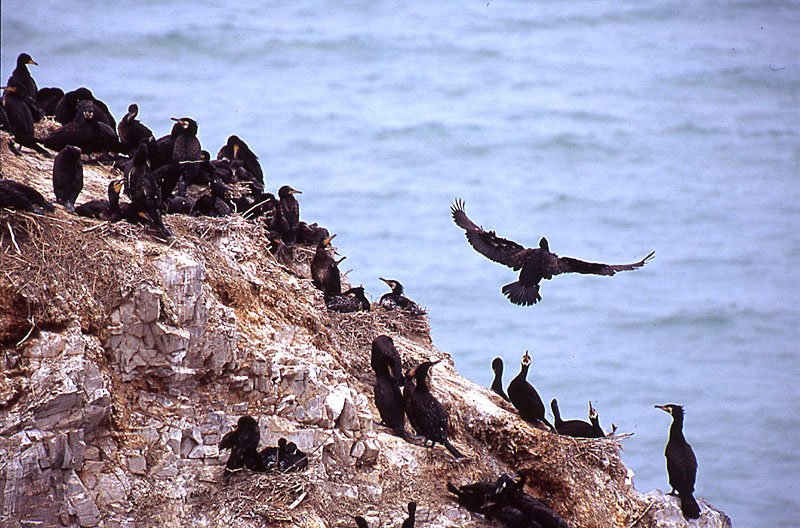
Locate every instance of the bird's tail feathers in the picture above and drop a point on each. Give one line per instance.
(519, 294)
(689, 506)
(450, 447)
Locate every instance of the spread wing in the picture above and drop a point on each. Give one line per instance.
(491, 246)
(571, 265)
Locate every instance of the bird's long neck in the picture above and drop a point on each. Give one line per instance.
(498, 378)
(676, 429)
(523, 372)
(397, 289)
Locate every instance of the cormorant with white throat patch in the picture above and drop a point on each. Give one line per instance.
(524, 397)
(681, 462)
(396, 300)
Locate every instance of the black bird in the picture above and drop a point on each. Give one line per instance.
(104, 209)
(574, 428)
(272, 455)
(429, 417)
(144, 191)
(131, 130)
(510, 491)
(236, 149)
(19, 118)
(497, 383)
(15, 195)
(186, 148)
(27, 86)
(681, 463)
(288, 214)
(86, 132)
(310, 234)
(388, 398)
(161, 148)
(352, 300)
(472, 496)
(324, 270)
(214, 204)
(412, 512)
(360, 522)
(507, 516)
(293, 459)
(536, 264)
(67, 108)
(243, 443)
(48, 98)
(68, 177)
(524, 397)
(396, 300)
(383, 349)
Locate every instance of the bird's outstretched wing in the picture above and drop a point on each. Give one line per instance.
(571, 265)
(491, 246)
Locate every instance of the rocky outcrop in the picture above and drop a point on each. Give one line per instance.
(125, 360)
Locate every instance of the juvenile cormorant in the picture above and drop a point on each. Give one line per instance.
(395, 298)
(310, 234)
(27, 86)
(574, 428)
(388, 398)
(131, 130)
(288, 214)
(536, 264)
(186, 148)
(104, 209)
(524, 397)
(497, 383)
(292, 459)
(412, 513)
(68, 177)
(681, 463)
(86, 132)
(236, 149)
(144, 191)
(48, 98)
(510, 491)
(243, 443)
(429, 417)
(324, 270)
(352, 300)
(19, 118)
(16, 195)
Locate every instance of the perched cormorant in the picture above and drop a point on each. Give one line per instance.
(292, 459)
(68, 177)
(507, 516)
(524, 397)
(236, 149)
(243, 443)
(536, 264)
(472, 496)
(48, 98)
(388, 398)
(426, 414)
(412, 513)
(269, 455)
(27, 86)
(288, 214)
(497, 383)
(16, 195)
(144, 191)
(395, 299)
(324, 270)
(510, 491)
(681, 463)
(383, 349)
(575, 428)
(352, 300)
(186, 148)
(161, 148)
(214, 204)
(19, 118)
(104, 209)
(131, 130)
(310, 234)
(67, 108)
(86, 132)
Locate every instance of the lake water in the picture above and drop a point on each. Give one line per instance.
(610, 128)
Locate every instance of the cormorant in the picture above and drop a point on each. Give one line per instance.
(510, 491)
(161, 148)
(186, 148)
(19, 118)
(16, 195)
(360, 522)
(48, 98)
(272, 455)
(215, 204)
(144, 191)
(536, 264)
(104, 209)
(524, 397)
(131, 130)
(383, 349)
(27, 86)
(236, 149)
(411, 519)
(396, 299)
(288, 214)
(310, 234)
(574, 428)
(292, 459)
(681, 463)
(68, 177)
(243, 443)
(352, 300)
(67, 108)
(86, 132)
(388, 398)
(429, 417)
(472, 496)
(497, 383)
(324, 270)
(179, 205)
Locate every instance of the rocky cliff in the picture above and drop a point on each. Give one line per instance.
(124, 360)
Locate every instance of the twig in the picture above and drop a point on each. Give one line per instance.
(98, 226)
(13, 238)
(639, 518)
(33, 325)
(298, 501)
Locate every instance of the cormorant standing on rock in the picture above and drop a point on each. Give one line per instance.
(536, 264)
(86, 132)
(19, 118)
(497, 383)
(104, 209)
(681, 463)
(396, 299)
(429, 417)
(68, 177)
(16, 195)
(352, 300)
(131, 130)
(186, 148)
(243, 443)
(524, 397)
(288, 214)
(412, 512)
(144, 191)
(574, 428)
(236, 149)
(388, 398)
(383, 349)
(324, 270)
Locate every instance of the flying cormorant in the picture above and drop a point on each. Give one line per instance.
(324, 270)
(68, 177)
(524, 397)
(243, 443)
(104, 209)
(536, 264)
(426, 414)
(412, 512)
(681, 463)
(352, 300)
(388, 398)
(288, 214)
(16, 195)
(497, 383)
(19, 118)
(236, 149)
(396, 300)
(86, 132)
(131, 130)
